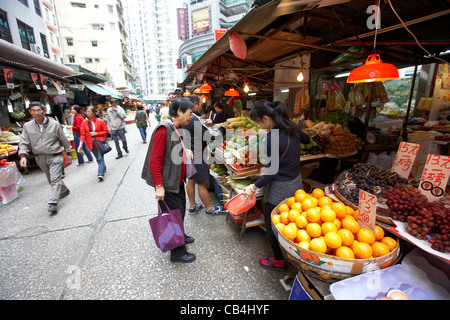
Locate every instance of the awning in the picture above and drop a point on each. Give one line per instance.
(96, 88)
(114, 93)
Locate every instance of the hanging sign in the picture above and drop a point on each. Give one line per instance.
(435, 176)
(406, 155)
(35, 77)
(43, 79)
(9, 78)
(58, 86)
(367, 210)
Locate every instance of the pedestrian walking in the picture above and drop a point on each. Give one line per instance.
(76, 130)
(167, 174)
(93, 127)
(284, 177)
(141, 120)
(116, 122)
(201, 177)
(45, 138)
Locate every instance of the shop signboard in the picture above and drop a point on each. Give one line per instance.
(219, 33)
(367, 210)
(435, 176)
(200, 20)
(182, 23)
(406, 155)
(9, 78)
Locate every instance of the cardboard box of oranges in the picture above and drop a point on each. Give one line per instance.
(324, 236)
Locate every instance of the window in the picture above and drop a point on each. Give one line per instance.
(78, 4)
(97, 60)
(26, 35)
(5, 34)
(112, 25)
(94, 43)
(96, 6)
(97, 26)
(88, 60)
(69, 41)
(111, 9)
(44, 45)
(37, 8)
(71, 58)
(25, 2)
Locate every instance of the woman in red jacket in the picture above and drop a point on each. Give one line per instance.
(76, 129)
(94, 127)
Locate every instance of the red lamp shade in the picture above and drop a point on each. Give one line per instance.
(206, 86)
(373, 70)
(186, 94)
(202, 90)
(197, 90)
(204, 98)
(231, 93)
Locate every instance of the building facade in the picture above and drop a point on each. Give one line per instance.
(93, 36)
(203, 18)
(150, 24)
(31, 25)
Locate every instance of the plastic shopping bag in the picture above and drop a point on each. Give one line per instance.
(167, 228)
(8, 173)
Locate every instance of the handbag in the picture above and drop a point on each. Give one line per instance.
(190, 166)
(167, 228)
(102, 146)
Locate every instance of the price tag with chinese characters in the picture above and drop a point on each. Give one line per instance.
(406, 155)
(435, 176)
(367, 210)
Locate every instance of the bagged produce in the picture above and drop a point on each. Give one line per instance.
(301, 101)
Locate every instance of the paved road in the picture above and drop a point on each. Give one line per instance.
(99, 245)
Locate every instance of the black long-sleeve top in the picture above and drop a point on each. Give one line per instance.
(289, 166)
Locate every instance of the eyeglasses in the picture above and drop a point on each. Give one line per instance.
(36, 110)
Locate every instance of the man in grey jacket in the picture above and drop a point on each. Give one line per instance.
(116, 123)
(45, 138)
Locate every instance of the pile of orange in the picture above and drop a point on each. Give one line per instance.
(317, 223)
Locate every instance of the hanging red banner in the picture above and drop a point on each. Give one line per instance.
(43, 79)
(9, 78)
(35, 77)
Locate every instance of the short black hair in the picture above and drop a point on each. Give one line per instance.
(37, 103)
(77, 108)
(194, 98)
(182, 104)
(218, 105)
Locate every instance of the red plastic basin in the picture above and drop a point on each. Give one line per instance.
(239, 204)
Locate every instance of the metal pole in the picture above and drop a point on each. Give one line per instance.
(411, 92)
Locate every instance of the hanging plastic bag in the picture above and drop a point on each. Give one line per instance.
(238, 45)
(9, 174)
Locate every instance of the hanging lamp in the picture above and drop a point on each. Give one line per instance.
(231, 93)
(373, 70)
(204, 98)
(197, 90)
(206, 86)
(186, 93)
(246, 88)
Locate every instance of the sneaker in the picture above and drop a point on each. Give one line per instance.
(52, 207)
(64, 194)
(126, 150)
(119, 156)
(100, 178)
(197, 208)
(215, 210)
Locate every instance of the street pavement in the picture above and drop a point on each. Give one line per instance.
(99, 245)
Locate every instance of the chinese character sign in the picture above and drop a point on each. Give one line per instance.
(182, 23)
(200, 20)
(367, 210)
(406, 155)
(435, 176)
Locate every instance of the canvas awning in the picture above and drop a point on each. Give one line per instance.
(96, 88)
(114, 93)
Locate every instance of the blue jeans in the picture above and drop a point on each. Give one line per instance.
(119, 135)
(143, 131)
(76, 142)
(100, 160)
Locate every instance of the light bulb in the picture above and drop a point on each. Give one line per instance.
(246, 88)
(300, 76)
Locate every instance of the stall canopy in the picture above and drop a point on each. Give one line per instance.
(282, 30)
(113, 92)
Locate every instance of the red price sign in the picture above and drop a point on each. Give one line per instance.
(435, 176)
(406, 155)
(367, 210)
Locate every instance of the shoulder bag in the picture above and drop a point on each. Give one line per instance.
(102, 146)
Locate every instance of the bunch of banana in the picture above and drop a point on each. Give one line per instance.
(17, 114)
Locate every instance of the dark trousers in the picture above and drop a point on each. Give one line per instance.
(177, 201)
(273, 241)
(119, 135)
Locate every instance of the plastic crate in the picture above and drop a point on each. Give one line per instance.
(253, 214)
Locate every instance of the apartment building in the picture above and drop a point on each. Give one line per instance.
(31, 25)
(93, 36)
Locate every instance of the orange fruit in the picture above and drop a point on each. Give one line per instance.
(350, 223)
(345, 252)
(276, 219)
(379, 249)
(300, 196)
(301, 221)
(308, 203)
(365, 235)
(318, 193)
(327, 215)
(362, 250)
(350, 210)
(340, 209)
(338, 223)
(290, 201)
(328, 227)
(325, 201)
(390, 242)
(304, 245)
(302, 235)
(290, 232)
(318, 245)
(280, 226)
(299, 191)
(314, 230)
(354, 243)
(284, 217)
(315, 200)
(346, 237)
(292, 215)
(332, 240)
(283, 208)
(356, 214)
(293, 225)
(379, 233)
(297, 206)
(312, 215)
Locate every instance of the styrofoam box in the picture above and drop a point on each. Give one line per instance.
(376, 284)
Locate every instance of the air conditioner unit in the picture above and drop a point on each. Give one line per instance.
(35, 48)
